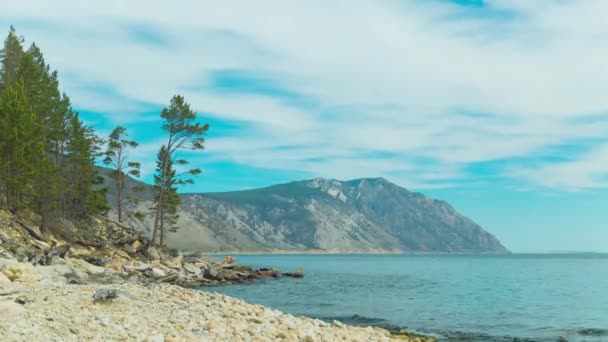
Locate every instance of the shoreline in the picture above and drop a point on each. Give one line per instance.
(34, 306)
(324, 252)
(47, 289)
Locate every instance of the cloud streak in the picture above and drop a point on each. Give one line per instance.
(347, 89)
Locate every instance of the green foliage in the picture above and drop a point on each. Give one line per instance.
(10, 59)
(116, 158)
(20, 146)
(185, 133)
(168, 206)
(82, 149)
(47, 155)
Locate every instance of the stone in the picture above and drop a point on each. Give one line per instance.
(10, 311)
(299, 273)
(158, 272)
(104, 295)
(242, 268)
(4, 279)
(140, 267)
(152, 253)
(175, 262)
(209, 325)
(156, 338)
(80, 252)
(63, 274)
(40, 244)
(213, 271)
(103, 319)
(88, 267)
(192, 269)
(226, 274)
(116, 265)
(136, 245)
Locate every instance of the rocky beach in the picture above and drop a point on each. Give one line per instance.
(41, 303)
(36, 312)
(110, 285)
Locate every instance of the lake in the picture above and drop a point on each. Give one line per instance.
(539, 297)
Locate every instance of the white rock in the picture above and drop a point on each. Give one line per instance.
(10, 311)
(158, 272)
(156, 338)
(140, 267)
(4, 279)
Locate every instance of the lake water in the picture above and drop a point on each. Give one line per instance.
(458, 297)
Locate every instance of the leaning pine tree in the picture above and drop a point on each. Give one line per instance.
(168, 207)
(185, 133)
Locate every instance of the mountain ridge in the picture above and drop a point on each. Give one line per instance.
(365, 215)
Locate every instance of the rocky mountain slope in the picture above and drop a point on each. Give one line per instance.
(357, 216)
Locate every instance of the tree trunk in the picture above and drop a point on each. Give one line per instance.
(162, 192)
(119, 187)
(162, 226)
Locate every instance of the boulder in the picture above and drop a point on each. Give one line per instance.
(140, 267)
(10, 311)
(152, 253)
(6, 260)
(40, 244)
(193, 269)
(158, 272)
(63, 274)
(175, 262)
(4, 279)
(242, 268)
(226, 274)
(136, 245)
(80, 252)
(104, 295)
(213, 271)
(89, 268)
(115, 265)
(268, 272)
(299, 273)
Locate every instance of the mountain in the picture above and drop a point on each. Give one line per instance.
(357, 216)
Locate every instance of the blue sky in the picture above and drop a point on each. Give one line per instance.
(497, 106)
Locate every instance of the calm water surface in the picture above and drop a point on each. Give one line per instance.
(459, 297)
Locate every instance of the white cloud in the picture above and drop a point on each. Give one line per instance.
(388, 77)
(587, 172)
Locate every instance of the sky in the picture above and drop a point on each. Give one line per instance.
(499, 107)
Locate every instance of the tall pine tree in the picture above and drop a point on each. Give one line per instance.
(179, 121)
(10, 59)
(20, 146)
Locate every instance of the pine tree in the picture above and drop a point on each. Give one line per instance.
(168, 207)
(10, 58)
(20, 146)
(47, 155)
(116, 157)
(184, 133)
(84, 198)
(44, 97)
